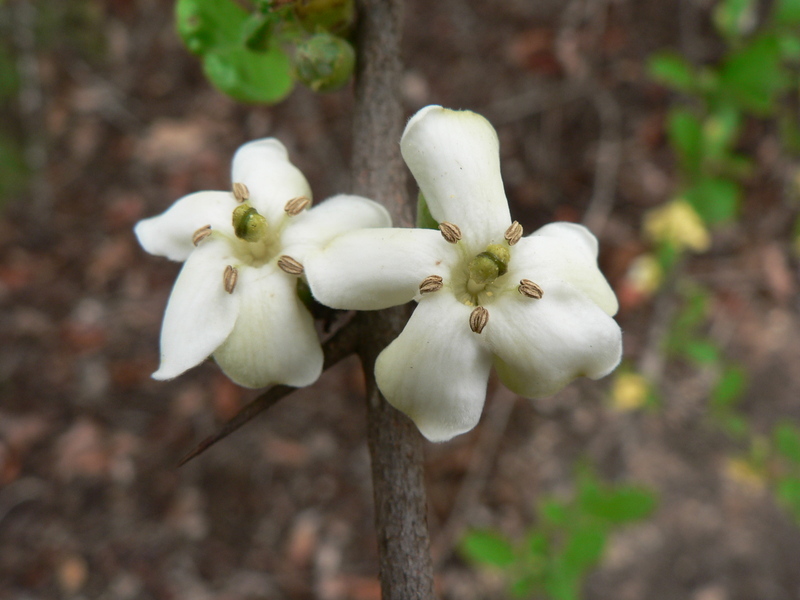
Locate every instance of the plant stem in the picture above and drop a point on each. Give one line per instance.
(395, 444)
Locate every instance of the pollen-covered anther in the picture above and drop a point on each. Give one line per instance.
(432, 283)
(201, 234)
(240, 192)
(478, 319)
(513, 234)
(229, 278)
(297, 205)
(289, 265)
(530, 289)
(450, 232)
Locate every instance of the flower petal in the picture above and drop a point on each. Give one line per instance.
(274, 340)
(437, 369)
(372, 269)
(454, 156)
(541, 345)
(563, 253)
(170, 233)
(200, 313)
(272, 180)
(314, 228)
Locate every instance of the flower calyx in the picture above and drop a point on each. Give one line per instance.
(248, 224)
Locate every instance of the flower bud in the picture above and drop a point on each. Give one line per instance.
(324, 62)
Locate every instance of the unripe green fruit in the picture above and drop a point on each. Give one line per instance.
(324, 62)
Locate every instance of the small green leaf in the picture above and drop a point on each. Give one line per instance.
(672, 70)
(734, 18)
(788, 491)
(702, 352)
(753, 76)
(729, 388)
(720, 131)
(786, 437)
(786, 12)
(487, 547)
(584, 548)
(734, 425)
(425, 219)
(715, 199)
(554, 513)
(686, 136)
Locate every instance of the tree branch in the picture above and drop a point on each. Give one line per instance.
(395, 444)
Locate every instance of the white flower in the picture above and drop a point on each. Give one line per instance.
(538, 309)
(244, 251)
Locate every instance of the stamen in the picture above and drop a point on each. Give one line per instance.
(201, 234)
(229, 278)
(450, 232)
(432, 283)
(513, 233)
(297, 205)
(530, 289)
(289, 265)
(240, 192)
(478, 319)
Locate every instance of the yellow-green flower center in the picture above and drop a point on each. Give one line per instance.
(477, 283)
(257, 242)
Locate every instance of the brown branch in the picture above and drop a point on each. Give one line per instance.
(395, 444)
(338, 346)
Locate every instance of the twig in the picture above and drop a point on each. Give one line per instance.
(395, 445)
(340, 345)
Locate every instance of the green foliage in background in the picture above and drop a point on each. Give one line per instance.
(755, 76)
(568, 540)
(256, 56)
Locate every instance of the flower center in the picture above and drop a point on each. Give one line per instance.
(476, 284)
(257, 242)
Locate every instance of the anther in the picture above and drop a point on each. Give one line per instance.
(450, 232)
(229, 278)
(289, 265)
(478, 319)
(297, 205)
(201, 234)
(530, 289)
(240, 192)
(432, 283)
(513, 233)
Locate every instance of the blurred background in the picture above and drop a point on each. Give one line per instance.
(670, 128)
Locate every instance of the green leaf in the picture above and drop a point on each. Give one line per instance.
(729, 388)
(487, 547)
(734, 425)
(733, 18)
(753, 76)
(786, 437)
(702, 352)
(672, 70)
(217, 31)
(720, 132)
(621, 505)
(686, 136)
(554, 512)
(786, 12)
(250, 76)
(425, 219)
(788, 491)
(715, 199)
(790, 46)
(584, 548)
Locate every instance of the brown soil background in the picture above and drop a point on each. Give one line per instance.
(91, 503)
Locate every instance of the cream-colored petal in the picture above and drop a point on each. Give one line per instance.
(436, 371)
(562, 253)
(170, 233)
(454, 156)
(200, 313)
(271, 179)
(314, 228)
(274, 340)
(370, 269)
(542, 345)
